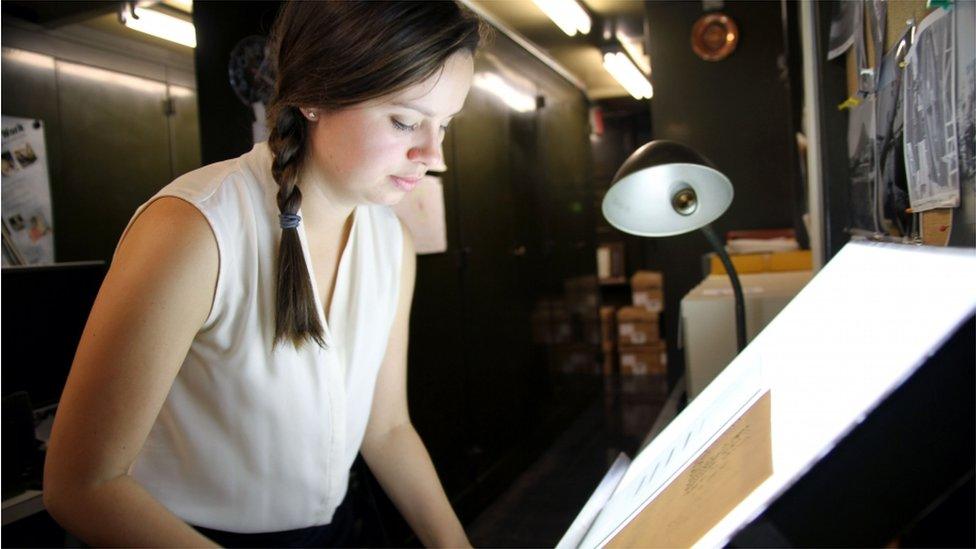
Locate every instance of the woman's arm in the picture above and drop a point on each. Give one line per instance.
(155, 297)
(391, 447)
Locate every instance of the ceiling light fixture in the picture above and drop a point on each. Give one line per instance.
(160, 25)
(496, 85)
(568, 15)
(628, 75)
(634, 46)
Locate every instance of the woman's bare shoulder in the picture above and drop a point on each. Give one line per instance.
(172, 225)
(170, 243)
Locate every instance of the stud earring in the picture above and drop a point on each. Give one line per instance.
(311, 115)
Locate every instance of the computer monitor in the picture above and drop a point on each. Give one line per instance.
(44, 311)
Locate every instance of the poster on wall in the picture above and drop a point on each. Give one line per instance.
(422, 211)
(931, 155)
(28, 229)
(860, 156)
(966, 105)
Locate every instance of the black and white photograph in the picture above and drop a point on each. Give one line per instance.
(966, 90)
(860, 155)
(890, 149)
(931, 158)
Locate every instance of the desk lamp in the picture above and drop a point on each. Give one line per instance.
(667, 189)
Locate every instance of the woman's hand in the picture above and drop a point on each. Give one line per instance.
(391, 447)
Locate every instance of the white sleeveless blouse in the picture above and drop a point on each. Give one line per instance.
(255, 437)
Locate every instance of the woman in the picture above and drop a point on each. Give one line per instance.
(250, 337)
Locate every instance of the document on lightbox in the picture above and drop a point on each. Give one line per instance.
(696, 455)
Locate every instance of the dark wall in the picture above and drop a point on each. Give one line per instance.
(737, 113)
(225, 122)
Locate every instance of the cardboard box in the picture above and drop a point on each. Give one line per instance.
(551, 323)
(609, 362)
(797, 260)
(592, 331)
(647, 288)
(582, 295)
(637, 326)
(643, 359)
(576, 358)
(646, 388)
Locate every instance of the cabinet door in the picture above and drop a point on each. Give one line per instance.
(184, 130)
(115, 156)
(566, 156)
(492, 334)
(437, 370)
(30, 91)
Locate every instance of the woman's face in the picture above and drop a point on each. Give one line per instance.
(377, 151)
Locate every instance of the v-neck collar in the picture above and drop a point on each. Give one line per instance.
(339, 286)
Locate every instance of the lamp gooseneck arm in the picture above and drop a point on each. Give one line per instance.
(740, 312)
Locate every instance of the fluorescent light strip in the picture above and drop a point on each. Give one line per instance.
(144, 85)
(623, 70)
(163, 26)
(583, 22)
(29, 58)
(632, 45)
(497, 86)
(612, 64)
(180, 91)
(568, 15)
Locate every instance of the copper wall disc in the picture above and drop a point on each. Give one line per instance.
(714, 36)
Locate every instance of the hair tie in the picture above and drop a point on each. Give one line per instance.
(289, 221)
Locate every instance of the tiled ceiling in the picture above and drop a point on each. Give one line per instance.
(579, 55)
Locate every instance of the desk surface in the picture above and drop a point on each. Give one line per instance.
(22, 505)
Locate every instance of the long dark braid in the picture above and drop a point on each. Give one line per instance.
(328, 56)
(297, 318)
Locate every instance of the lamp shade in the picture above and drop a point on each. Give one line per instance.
(664, 189)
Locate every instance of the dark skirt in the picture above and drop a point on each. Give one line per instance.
(338, 533)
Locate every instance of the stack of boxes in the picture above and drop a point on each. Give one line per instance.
(640, 349)
(570, 326)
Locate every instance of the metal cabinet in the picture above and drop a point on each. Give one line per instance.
(113, 140)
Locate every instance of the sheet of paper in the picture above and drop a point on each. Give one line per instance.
(931, 156)
(422, 211)
(26, 192)
(574, 535)
(689, 435)
(966, 112)
(729, 470)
